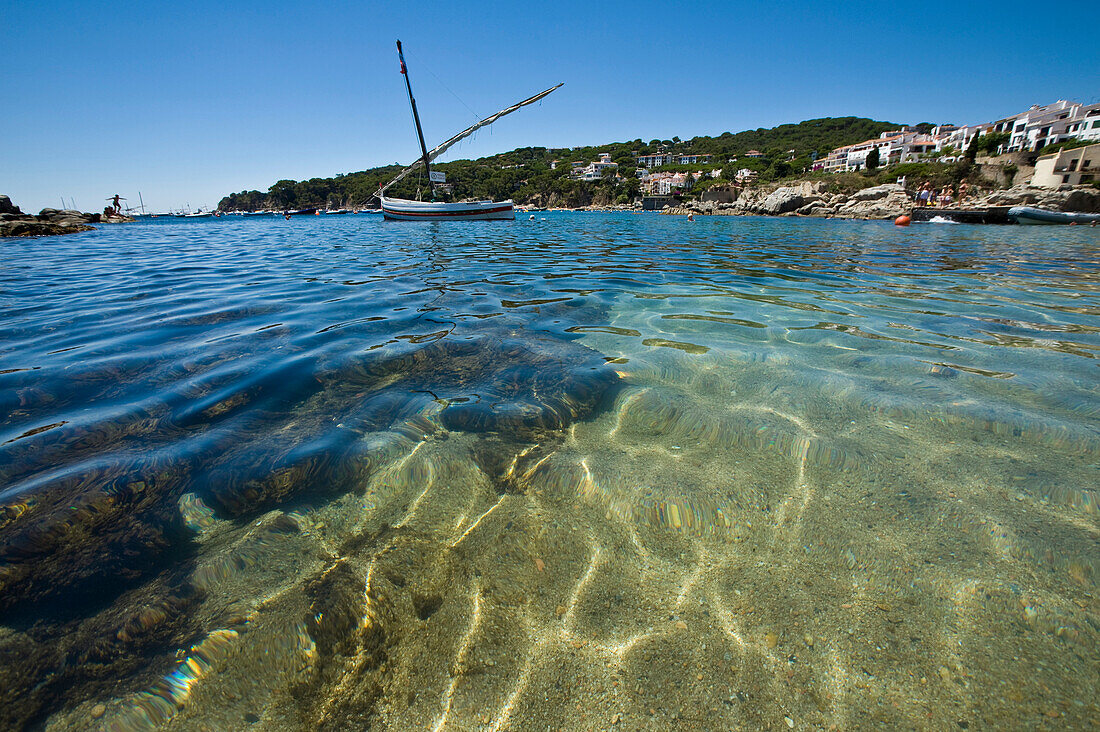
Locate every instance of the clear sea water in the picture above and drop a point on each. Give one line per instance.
(591, 471)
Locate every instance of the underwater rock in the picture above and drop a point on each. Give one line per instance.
(507, 382)
(87, 533)
(123, 645)
(519, 386)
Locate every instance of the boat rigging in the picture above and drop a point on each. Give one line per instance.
(397, 208)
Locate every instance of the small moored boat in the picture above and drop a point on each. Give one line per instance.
(405, 210)
(1031, 215)
(401, 210)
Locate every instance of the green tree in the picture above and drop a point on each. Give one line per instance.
(282, 194)
(872, 159)
(779, 169)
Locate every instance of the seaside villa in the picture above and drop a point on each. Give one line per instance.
(594, 171)
(1075, 166)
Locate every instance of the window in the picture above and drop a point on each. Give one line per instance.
(1073, 164)
(1096, 124)
(1065, 179)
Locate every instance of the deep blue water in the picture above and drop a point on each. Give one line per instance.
(161, 378)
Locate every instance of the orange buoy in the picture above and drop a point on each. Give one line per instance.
(902, 220)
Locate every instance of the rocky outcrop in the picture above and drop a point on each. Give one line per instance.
(877, 193)
(809, 199)
(68, 216)
(1076, 199)
(33, 227)
(49, 222)
(880, 202)
(781, 201)
(7, 207)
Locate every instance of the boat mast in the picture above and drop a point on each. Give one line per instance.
(416, 118)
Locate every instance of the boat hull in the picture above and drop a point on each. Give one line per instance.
(399, 209)
(1031, 215)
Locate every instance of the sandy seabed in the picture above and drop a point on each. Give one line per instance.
(736, 542)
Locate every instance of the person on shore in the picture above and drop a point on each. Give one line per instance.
(924, 195)
(964, 189)
(946, 197)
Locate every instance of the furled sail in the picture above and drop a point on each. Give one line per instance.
(445, 146)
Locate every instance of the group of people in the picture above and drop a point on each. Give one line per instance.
(928, 196)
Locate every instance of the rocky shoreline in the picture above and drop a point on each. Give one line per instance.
(879, 202)
(49, 221)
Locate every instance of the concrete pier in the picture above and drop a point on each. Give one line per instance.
(988, 215)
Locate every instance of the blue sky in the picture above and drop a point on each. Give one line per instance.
(186, 102)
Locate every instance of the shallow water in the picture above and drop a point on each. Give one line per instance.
(584, 472)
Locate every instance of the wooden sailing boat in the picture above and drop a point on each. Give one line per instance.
(405, 210)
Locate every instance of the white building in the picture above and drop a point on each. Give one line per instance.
(662, 184)
(744, 175)
(958, 137)
(834, 162)
(654, 161)
(594, 171)
(659, 159)
(1052, 123)
(1079, 165)
(896, 146)
(1087, 127)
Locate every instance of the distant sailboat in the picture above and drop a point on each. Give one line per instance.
(405, 210)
